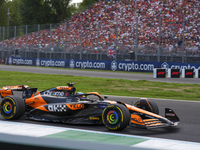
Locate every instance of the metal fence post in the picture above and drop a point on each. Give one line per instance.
(14, 38)
(50, 40)
(183, 48)
(38, 53)
(98, 41)
(2, 54)
(65, 52)
(26, 40)
(0, 33)
(71, 45)
(7, 44)
(136, 45)
(8, 25)
(0, 40)
(98, 51)
(81, 42)
(159, 37)
(116, 39)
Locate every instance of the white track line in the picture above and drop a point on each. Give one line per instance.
(43, 130)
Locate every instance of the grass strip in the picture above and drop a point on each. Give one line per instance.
(97, 137)
(104, 86)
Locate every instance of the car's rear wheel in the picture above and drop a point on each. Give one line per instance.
(116, 117)
(148, 105)
(12, 107)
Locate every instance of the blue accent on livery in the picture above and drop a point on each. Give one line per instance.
(102, 106)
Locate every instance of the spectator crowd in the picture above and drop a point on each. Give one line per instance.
(165, 25)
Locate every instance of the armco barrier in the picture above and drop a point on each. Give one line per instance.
(131, 66)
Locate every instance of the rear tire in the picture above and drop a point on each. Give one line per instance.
(116, 117)
(12, 107)
(148, 105)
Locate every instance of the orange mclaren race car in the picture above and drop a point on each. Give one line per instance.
(62, 104)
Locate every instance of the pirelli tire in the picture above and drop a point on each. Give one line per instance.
(12, 107)
(116, 117)
(148, 105)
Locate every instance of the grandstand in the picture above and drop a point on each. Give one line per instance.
(155, 30)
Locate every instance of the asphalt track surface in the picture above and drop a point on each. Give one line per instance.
(188, 111)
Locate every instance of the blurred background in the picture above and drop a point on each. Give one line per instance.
(132, 30)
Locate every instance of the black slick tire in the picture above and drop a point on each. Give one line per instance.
(116, 117)
(12, 107)
(148, 105)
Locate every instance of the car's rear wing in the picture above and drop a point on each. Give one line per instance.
(27, 91)
(16, 87)
(8, 90)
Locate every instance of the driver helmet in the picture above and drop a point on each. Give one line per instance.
(79, 95)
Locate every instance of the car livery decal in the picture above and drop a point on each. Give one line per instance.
(75, 106)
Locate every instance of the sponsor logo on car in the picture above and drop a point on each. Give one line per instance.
(63, 88)
(57, 108)
(102, 106)
(170, 114)
(75, 106)
(68, 99)
(94, 118)
(54, 93)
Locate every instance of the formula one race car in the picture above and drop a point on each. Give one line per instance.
(62, 104)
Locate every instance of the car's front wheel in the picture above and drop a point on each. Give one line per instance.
(148, 105)
(12, 107)
(116, 117)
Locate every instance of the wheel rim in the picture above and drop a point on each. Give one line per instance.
(112, 117)
(7, 108)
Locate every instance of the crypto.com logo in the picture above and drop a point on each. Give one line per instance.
(37, 62)
(165, 66)
(71, 64)
(113, 65)
(10, 61)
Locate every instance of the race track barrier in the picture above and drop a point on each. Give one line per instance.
(129, 66)
(187, 73)
(159, 73)
(173, 73)
(197, 73)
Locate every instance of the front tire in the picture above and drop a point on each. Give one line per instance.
(12, 107)
(116, 117)
(148, 105)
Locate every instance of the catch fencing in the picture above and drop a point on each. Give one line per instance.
(121, 30)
